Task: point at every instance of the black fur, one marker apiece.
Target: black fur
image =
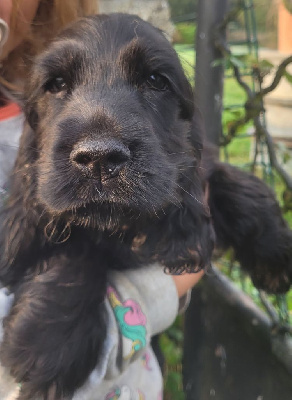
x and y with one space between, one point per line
107 177
247 217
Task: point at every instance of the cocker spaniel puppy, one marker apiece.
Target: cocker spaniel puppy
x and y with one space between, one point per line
109 176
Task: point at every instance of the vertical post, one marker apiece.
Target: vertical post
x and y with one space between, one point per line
208 97
209 79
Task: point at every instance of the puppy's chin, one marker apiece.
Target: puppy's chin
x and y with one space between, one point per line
107 209
104 217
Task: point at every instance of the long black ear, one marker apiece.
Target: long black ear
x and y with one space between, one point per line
32 89
183 238
247 218
186 234
19 215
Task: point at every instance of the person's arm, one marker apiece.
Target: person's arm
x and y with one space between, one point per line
186 281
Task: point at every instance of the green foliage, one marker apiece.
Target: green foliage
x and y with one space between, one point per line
288 76
233 94
185 33
288 5
238 152
229 61
265 15
284 153
171 343
187 58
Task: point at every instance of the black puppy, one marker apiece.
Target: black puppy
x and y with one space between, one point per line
107 176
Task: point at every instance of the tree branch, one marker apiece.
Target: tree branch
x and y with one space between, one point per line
262 130
241 82
278 76
253 108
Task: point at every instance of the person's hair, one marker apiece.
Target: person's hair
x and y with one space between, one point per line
51 17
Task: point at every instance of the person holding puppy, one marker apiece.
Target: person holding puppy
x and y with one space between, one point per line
140 303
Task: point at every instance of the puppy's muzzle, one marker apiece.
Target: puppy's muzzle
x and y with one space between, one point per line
100 159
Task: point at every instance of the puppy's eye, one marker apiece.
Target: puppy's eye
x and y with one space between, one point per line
56 85
157 82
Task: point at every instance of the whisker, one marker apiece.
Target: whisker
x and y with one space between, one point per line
192 196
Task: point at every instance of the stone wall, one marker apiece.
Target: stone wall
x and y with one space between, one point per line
156 12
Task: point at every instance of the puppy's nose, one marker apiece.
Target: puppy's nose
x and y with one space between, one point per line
101 159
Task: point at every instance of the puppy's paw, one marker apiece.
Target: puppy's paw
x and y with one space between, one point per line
271 280
270 268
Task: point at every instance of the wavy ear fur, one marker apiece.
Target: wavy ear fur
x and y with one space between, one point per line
186 233
183 239
19 216
21 212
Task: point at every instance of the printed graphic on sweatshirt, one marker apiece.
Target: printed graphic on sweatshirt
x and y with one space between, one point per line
132 323
124 393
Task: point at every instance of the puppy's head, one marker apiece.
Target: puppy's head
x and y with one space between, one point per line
112 115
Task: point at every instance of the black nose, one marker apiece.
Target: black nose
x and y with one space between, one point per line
100 159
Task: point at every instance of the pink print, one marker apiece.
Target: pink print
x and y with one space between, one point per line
135 315
132 317
111 290
110 396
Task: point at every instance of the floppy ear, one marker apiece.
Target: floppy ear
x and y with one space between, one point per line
32 89
187 236
19 215
183 238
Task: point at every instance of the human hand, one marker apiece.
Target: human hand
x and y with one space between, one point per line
185 282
